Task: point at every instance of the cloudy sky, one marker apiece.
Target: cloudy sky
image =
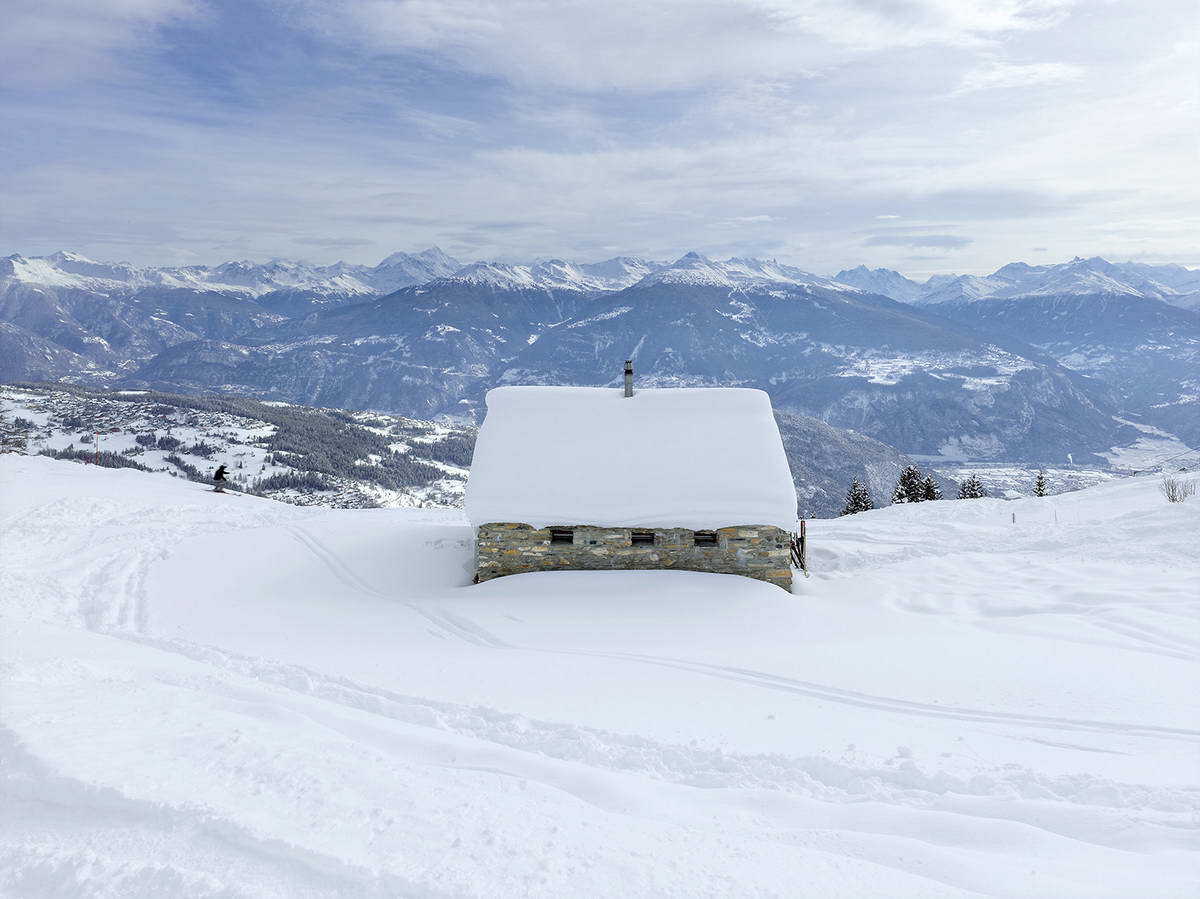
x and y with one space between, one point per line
923 135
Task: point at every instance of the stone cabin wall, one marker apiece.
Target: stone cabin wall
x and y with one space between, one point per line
762 552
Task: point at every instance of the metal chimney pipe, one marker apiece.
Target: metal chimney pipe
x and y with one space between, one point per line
629 377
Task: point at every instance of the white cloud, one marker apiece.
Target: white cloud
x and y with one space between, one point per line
669 44
59 41
747 153
1006 75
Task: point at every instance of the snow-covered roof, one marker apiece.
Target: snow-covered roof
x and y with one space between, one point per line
683 457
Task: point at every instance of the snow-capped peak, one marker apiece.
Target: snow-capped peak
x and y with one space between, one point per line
431 259
404 269
743 272
67 270
943 288
1080 276
66 256
691 268
771 271
557 274
620 271
497 275
883 281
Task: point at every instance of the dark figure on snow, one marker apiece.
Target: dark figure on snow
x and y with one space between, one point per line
219 478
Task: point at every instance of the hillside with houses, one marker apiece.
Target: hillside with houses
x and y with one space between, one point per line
297 454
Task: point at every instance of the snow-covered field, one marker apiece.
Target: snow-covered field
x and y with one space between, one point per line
228 696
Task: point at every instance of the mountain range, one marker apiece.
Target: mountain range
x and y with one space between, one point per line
73 271
1034 363
1129 325
1173 284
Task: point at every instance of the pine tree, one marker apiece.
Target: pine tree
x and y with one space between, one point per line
1039 486
910 488
930 488
858 499
971 488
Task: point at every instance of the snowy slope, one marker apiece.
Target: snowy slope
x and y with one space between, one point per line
212 696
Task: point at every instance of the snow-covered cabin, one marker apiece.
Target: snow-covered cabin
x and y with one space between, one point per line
598 478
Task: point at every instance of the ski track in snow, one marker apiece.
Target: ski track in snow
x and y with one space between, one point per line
884 703
54 850
85 562
445 623
681 764
464 629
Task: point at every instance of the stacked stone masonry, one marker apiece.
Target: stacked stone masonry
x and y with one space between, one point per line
762 552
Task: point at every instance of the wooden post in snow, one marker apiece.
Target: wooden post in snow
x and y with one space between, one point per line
803 546
800 548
